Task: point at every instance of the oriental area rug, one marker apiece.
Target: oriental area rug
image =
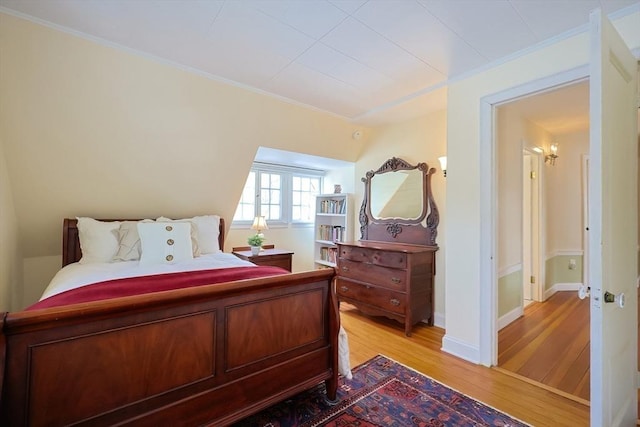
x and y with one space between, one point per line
382 393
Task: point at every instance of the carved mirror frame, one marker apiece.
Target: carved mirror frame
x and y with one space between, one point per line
401 230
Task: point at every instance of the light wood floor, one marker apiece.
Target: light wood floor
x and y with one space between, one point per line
550 344
369 336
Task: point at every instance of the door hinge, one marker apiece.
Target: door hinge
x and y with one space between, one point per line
532 174
532 279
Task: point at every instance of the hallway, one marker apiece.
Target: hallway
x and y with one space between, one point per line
550 344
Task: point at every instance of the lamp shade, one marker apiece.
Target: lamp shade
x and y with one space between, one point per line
259 224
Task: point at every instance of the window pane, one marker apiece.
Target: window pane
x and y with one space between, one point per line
263 195
270 187
303 199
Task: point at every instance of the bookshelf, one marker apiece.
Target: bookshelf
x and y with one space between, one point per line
332 224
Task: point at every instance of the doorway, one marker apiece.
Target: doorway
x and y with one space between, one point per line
550 251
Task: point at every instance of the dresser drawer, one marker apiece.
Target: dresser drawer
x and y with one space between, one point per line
374 256
382 276
382 298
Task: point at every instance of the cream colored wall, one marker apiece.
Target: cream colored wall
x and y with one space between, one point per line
514 134
419 140
10 268
563 183
565 220
92 130
463 226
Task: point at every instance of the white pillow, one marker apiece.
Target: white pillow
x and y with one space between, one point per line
207 230
98 240
129 241
165 243
208 233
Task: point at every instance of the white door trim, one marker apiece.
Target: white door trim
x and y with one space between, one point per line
488 346
527 226
585 220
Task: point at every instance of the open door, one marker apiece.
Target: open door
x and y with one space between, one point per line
613 227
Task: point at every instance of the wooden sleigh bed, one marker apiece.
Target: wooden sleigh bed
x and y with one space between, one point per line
207 355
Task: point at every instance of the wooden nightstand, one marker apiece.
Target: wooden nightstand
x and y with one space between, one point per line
274 257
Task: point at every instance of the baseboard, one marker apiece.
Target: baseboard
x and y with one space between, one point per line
558 287
460 349
510 317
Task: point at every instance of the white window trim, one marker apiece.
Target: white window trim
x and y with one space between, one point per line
287 173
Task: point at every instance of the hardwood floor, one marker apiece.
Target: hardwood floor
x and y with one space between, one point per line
550 344
369 336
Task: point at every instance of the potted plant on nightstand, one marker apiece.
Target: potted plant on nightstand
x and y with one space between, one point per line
255 242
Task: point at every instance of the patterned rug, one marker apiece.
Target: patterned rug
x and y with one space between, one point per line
382 393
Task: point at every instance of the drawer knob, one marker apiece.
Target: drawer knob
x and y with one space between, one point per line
345 268
394 301
395 280
344 289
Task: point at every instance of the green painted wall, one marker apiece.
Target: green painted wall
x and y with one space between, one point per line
509 292
557 270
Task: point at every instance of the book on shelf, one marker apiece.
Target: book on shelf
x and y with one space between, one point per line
332 206
333 233
329 254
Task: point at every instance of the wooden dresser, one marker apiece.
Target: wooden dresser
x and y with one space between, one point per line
388 279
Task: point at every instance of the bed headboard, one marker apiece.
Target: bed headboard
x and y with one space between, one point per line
71 251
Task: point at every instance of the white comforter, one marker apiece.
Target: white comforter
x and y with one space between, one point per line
77 275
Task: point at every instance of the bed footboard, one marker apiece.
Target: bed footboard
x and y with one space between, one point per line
214 354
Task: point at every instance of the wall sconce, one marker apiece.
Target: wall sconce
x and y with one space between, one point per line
443 164
551 157
259 224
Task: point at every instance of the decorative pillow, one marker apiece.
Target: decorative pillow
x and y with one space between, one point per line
97 240
208 233
194 233
129 241
207 229
165 242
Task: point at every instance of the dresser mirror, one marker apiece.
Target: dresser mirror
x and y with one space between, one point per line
390 270
398 205
397 195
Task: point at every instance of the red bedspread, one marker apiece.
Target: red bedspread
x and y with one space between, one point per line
155 283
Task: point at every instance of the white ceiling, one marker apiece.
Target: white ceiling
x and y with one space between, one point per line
370 61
